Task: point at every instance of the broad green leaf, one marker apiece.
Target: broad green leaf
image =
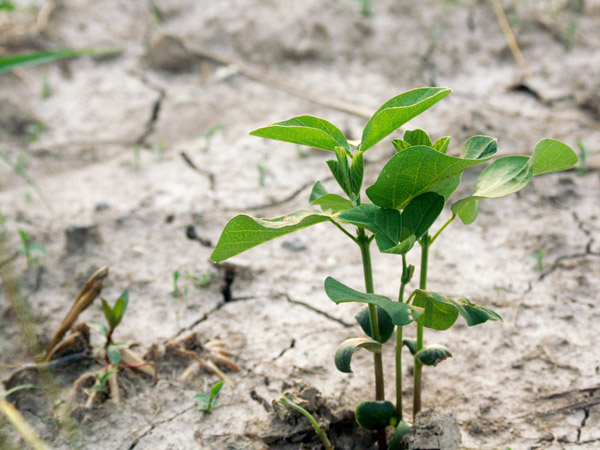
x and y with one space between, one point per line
397 111
203 401
552 156
414 171
386 326
120 307
432 355
417 137
357 170
114 354
402 248
27 59
446 187
439 313
441 145
374 415
381 221
305 130
402 429
109 315
411 345
333 203
400 145
244 232
344 353
420 214
469 212
401 313
214 391
318 190
479 147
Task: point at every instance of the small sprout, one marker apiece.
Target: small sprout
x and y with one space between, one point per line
208 136
539 259
262 172
47 90
159 150
28 248
432 355
206 402
137 157
202 280
101 379
583 154
177 292
288 400
35 131
366 7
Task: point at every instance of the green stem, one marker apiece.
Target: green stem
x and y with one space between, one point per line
399 333
448 222
425 242
364 243
343 230
322 435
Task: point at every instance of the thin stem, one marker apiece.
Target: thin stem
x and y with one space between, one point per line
448 222
425 242
399 333
343 230
364 244
322 435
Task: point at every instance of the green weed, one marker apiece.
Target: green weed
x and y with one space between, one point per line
207 402
28 248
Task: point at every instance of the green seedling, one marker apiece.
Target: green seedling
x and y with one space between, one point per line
200 281
35 131
113 316
28 59
583 154
409 195
101 380
177 292
19 168
288 401
366 7
206 402
47 90
539 259
19 388
262 172
208 136
28 249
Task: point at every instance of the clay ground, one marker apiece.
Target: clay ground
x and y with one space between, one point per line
110 156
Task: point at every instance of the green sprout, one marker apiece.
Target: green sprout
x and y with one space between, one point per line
206 402
201 280
539 259
47 90
28 248
407 198
101 380
177 292
35 131
583 154
366 7
261 174
288 401
208 136
113 316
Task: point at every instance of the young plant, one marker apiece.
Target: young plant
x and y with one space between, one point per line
583 154
28 248
177 292
101 380
407 198
206 402
288 401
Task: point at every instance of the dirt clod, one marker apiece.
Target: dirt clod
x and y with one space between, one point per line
434 431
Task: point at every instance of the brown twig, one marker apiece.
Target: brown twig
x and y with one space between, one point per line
510 37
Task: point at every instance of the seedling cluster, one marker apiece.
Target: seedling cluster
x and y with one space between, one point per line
410 193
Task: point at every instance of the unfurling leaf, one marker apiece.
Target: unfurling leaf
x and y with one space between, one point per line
120 307
432 355
411 345
417 137
402 429
305 130
109 314
401 313
375 415
344 353
114 354
441 145
386 326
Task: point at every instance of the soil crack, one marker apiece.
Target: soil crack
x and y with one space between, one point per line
156 107
316 310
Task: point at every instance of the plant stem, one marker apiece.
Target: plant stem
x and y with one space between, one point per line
364 243
399 344
322 435
425 242
448 222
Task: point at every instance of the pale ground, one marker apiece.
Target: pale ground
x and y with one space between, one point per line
282 325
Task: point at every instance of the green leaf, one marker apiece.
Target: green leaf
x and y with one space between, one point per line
244 232
109 315
441 145
18 388
374 415
344 353
479 147
432 355
214 391
120 307
411 345
401 313
441 312
400 145
318 191
414 171
397 111
384 222
305 130
99 327
420 214
402 248
552 156
469 212
417 137
26 59
203 401
447 187
402 429
114 354
386 326
357 170
333 203
341 170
